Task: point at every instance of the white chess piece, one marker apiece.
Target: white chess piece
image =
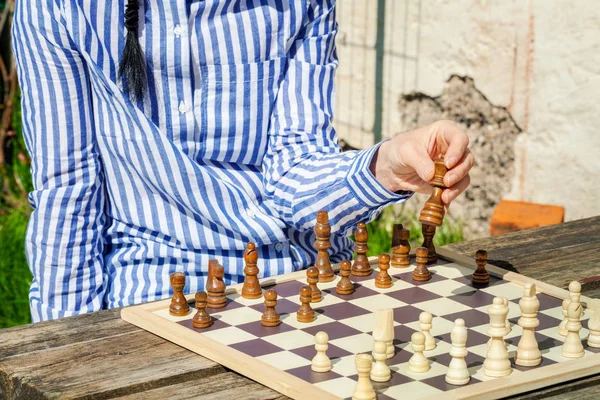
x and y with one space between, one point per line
594 325
574 296
572 347
384 329
507 327
364 387
425 325
496 362
320 362
458 374
380 372
528 352
418 362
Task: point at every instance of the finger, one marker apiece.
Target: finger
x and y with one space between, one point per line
418 159
460 170
417 185
453 192
457 142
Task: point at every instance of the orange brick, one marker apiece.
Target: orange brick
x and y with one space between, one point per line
511 216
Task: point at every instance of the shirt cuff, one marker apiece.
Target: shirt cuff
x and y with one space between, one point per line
366 188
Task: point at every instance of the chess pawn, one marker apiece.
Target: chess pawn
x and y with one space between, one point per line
361 266
251 288
418 362
215 287
496 362
364 387
481 276
433 211
312 277
458 374
594 325
305 312
425 325
384 329
428 233
383 279
345 285
528 352
421 273
322 244
574 296
380 371
270 317
400 248
320 362
572 347
179 306
201 319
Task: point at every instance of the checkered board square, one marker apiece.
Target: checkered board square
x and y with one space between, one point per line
349 321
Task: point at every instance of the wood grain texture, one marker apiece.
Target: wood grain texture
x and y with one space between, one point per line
100 356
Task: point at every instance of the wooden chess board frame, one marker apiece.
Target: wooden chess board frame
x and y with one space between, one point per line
143 316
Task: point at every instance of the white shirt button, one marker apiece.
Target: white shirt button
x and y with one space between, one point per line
178 30
279 246
183 107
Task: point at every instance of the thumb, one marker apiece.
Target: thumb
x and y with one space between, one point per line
419 160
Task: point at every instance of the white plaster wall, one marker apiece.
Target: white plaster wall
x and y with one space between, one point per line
538 58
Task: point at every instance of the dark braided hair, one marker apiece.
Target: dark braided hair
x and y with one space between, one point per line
133 65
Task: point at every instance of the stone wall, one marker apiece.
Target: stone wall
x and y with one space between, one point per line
523 77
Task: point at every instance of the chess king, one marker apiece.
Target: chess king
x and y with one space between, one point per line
182 165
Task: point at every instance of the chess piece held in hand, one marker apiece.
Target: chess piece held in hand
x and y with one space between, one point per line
433 211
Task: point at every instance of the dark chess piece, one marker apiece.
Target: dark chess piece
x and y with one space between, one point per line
383 279
421 273
251 288
201 319
361 265
215 287
270 317
322 244
400 247
312 277
433 211
428 233
305 312
481 276
345 285
179 306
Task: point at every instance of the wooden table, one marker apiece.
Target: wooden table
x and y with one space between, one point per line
99 356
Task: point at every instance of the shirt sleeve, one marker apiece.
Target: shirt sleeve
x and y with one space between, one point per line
64 238
304 168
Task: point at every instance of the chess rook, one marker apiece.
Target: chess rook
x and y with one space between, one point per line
458 374
305 312
201 318
383 279
481 276
421 273
179 306
345 285
400 247
361 266
312 277
320 362
364 387
496 362
215 287
433 211
528 352
270 317
251 288
428 233
322 244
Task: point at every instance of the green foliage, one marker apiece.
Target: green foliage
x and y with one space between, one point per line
380 231
15 277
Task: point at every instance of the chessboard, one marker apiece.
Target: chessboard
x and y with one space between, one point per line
280 357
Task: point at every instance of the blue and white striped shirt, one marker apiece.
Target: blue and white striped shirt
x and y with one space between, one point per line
232 143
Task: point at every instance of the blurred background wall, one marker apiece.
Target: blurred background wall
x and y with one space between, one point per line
521 76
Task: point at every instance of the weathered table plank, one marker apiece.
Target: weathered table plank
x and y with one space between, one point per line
99 356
